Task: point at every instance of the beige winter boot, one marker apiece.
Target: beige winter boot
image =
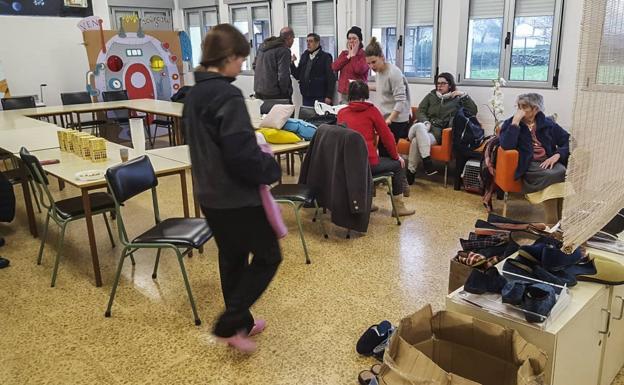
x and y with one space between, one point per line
399 205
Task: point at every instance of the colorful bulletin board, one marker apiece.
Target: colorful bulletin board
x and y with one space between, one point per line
62 8
147 64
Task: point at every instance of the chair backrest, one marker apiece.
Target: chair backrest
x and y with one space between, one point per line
34 167
18 102
113 96
265 108
131 178
75 98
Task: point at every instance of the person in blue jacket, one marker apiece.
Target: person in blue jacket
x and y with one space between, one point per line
543 147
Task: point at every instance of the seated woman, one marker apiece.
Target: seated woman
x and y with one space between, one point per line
435 113
363 117
543 146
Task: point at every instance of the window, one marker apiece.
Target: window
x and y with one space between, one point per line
151 18
514 39
253 20
309 16
198 23
610 69
408 35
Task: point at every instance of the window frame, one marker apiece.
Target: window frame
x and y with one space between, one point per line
202 11
400 28
552 82
310 19
249 7
140 10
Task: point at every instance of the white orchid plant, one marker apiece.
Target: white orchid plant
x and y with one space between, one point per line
495 104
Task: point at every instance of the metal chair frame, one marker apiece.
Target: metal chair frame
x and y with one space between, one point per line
297 205
387 180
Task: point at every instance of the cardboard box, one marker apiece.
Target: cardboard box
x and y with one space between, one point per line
458 274
455 349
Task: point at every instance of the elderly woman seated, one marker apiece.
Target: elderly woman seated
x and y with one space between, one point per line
543 147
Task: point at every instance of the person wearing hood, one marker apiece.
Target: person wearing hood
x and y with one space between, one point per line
363 117
315 75
351 63
272 67
228 168
435 113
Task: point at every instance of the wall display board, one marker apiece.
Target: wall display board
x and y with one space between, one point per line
61 8
147 64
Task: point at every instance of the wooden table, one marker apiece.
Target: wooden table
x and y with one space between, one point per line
70 164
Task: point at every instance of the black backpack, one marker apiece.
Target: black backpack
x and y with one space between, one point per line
317 120
7 200
467 132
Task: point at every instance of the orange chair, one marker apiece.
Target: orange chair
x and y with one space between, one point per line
440 152
506 164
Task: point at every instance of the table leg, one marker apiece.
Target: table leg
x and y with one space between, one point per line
185 203
86 204
196 206
30 213
177 129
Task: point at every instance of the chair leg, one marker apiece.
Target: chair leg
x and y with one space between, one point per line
505 204
115 282
395 213
58 254
155 272
43 238
446 173
34 193
188 288
320 219
303 242
110 233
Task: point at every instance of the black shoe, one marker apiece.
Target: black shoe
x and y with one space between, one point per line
411 176
428 166
3 263
1 242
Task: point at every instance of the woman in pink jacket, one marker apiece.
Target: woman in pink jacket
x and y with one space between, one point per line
351 63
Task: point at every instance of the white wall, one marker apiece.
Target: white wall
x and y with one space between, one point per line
49 50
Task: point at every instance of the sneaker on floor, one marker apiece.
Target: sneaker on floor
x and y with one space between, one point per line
259 326
4 263
240 342
428 166
410 176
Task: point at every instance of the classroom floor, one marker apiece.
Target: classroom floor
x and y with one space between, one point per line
315 312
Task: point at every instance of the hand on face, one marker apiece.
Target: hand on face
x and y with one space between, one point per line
518 116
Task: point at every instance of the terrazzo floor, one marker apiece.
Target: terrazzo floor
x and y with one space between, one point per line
315 312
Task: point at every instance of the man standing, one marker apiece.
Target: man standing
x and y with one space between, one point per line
272 67
316 78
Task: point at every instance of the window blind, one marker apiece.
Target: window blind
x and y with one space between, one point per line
239 15
526 8
298 18
184 4
419 12
211 18
487 9
384 13
323 17
260 13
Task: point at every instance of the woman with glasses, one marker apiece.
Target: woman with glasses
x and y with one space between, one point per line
315 75
435 113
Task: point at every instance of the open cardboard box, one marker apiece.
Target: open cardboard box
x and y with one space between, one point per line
448 348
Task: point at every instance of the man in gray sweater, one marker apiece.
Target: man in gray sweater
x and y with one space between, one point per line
272 67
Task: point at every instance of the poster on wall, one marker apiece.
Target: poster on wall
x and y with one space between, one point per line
60 8
4 86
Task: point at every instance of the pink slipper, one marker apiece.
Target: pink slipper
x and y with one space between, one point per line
259 326
240 342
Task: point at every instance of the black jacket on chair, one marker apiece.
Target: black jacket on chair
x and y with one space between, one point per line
7 200
319 81
336 167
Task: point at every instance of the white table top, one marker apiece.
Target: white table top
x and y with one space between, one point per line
33 138
70 164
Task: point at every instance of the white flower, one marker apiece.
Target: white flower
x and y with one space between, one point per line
503 81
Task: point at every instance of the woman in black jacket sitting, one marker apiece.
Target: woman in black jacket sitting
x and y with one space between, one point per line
317 81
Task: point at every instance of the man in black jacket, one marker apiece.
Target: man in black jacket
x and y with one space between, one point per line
272 67
316 78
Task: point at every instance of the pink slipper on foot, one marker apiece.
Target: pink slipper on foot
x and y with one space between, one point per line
259 326
240 342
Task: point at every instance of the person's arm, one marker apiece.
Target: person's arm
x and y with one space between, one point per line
385 135
242 156
294 70
283 72
423 107
399 94
330 78
469 104
360 67
563 142
340 62
510 131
